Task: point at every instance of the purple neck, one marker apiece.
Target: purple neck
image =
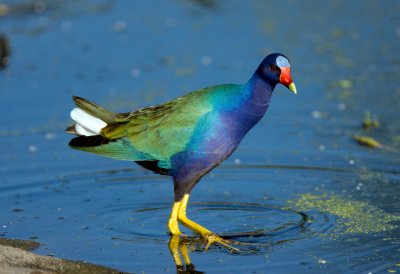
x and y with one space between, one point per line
259 92
256 95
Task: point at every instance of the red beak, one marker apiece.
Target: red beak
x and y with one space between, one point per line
285 77
286 80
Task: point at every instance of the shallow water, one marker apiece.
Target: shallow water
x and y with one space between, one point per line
299 194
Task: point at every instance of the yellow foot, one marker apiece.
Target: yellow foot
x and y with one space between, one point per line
178 214
212 238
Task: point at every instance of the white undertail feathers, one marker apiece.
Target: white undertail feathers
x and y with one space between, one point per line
86 124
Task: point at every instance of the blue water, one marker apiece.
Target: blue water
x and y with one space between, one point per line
131 54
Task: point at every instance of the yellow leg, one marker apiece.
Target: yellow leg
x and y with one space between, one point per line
204 232
173 220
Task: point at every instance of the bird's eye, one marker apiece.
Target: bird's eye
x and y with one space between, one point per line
275 68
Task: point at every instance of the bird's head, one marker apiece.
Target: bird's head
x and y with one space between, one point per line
275 68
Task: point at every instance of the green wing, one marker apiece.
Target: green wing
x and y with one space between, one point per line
153 133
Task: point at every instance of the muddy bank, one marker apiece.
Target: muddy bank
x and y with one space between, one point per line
15 257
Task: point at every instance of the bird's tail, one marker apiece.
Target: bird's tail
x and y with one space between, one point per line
90 121
89 118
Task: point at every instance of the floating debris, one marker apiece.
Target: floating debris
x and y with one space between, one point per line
369 122
367 141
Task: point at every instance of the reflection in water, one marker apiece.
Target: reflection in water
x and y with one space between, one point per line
262 225
243 242
261 228
179 248
256 241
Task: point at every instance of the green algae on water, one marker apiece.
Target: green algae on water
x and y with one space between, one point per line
352 216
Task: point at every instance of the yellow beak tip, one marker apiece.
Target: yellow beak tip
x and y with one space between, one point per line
292 88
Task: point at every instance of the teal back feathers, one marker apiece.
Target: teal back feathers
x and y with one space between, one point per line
153 133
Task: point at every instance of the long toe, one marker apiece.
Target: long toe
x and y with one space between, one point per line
213 238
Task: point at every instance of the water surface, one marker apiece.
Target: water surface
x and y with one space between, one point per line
299 192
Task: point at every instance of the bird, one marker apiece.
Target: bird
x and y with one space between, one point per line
184 138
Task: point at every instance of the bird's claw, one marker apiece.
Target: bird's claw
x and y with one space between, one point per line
212 238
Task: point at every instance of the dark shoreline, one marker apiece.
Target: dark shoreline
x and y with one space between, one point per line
15 257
